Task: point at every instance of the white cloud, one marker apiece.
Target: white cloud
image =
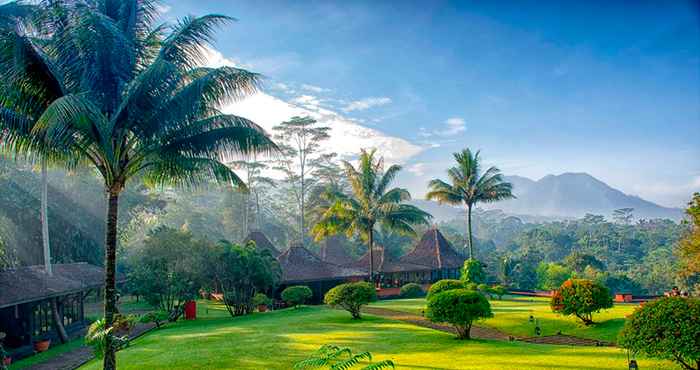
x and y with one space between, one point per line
455 125
312 88
417 169
366 103
347 135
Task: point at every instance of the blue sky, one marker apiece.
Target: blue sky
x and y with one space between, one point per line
608 88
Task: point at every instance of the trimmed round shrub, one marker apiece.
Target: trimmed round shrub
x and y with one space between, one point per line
411 290
296 295
261 299
460 308
444 285
471 286
156 317
667 328
473 271
581 298
498 290
351 297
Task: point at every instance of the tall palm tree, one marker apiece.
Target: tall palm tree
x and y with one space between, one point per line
24 95
469 185
139 104
371 203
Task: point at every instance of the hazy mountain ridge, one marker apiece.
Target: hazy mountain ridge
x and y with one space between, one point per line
569 195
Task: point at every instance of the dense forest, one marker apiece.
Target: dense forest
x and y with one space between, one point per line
629 254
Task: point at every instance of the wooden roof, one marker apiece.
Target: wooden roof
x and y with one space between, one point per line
434 251
31 283
300 265
261 242
333 251
383 263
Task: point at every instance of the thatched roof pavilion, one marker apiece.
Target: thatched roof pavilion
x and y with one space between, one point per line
434 251
333 251
261 242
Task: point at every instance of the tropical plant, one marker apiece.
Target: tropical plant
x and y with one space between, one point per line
371 203
666 328
411 290
459 307
136 103
335 358
470 186
473 271
581 298
296 295
351 297
241 272
445 285
99 336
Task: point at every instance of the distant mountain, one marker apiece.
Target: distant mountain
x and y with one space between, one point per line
569 195
574 195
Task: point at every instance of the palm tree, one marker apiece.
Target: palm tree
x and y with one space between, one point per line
470 186
24 96
370 203
138 104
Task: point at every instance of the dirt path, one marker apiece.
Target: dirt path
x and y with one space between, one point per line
480 332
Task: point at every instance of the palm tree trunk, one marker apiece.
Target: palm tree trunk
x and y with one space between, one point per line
469 231
371 255
45 218
110 300
45 241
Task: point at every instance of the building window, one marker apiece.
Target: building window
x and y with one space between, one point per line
43 321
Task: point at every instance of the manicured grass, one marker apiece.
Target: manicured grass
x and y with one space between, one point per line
511 315
276 340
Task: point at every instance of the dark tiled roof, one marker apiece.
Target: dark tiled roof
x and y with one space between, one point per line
299 265
31 283
262 242
334 252
383 263
434 251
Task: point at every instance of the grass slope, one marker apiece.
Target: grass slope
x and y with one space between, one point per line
276 340
511 315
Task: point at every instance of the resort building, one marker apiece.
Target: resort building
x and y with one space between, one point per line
27 294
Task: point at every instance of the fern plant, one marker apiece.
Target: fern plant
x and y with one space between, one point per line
96 337
335 358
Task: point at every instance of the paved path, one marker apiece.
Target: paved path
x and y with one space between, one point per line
73 359
481 332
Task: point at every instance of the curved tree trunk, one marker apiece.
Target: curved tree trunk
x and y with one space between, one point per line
45 241
469 232
58 321
110 302
45 218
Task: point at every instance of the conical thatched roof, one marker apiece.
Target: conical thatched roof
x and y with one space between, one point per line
300 264
333 251
261 242
434 251
382 263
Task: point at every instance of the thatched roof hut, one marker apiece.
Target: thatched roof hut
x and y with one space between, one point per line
301 265
261 242
434 251
333 251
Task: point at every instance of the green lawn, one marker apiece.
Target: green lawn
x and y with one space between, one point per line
276 340
511 315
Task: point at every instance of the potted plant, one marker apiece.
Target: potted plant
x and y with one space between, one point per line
42 343
262 301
